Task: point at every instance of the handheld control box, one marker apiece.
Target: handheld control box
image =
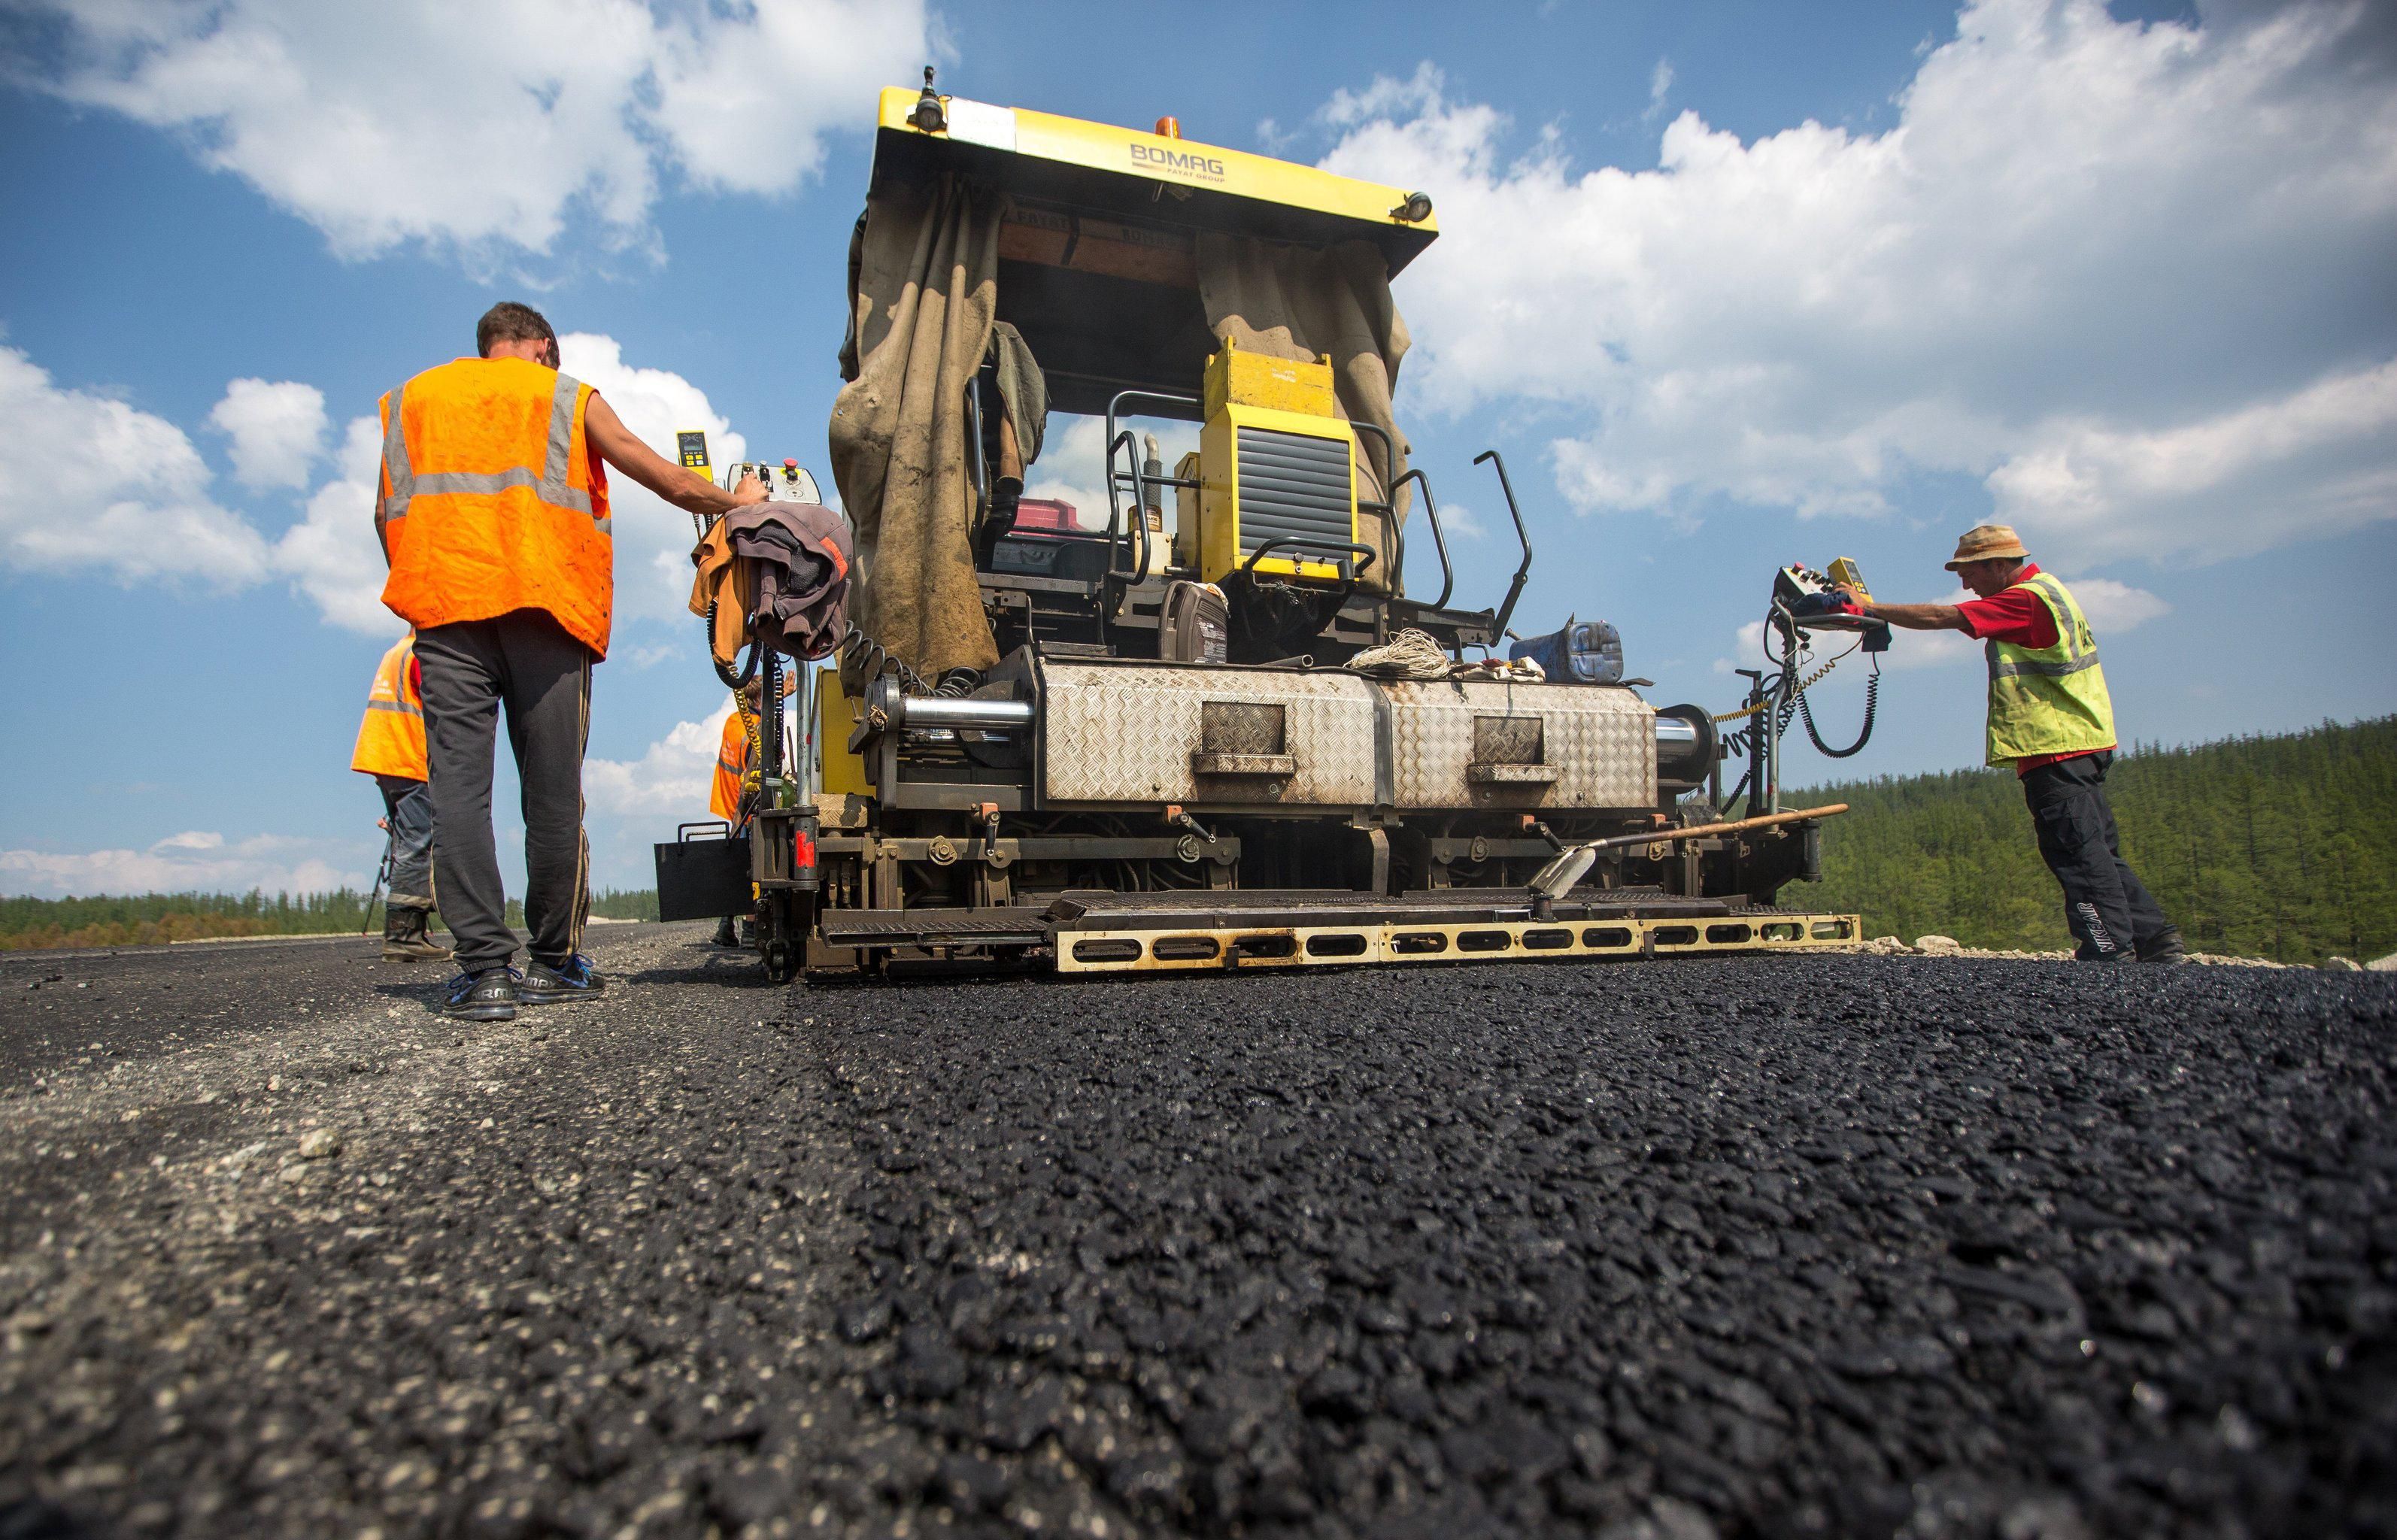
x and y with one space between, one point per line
1813 601
788 482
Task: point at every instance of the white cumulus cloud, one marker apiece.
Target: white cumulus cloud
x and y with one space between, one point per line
672 776
488 126
135 499
653 538
277 430
332 556
2136 274
196 861
90 482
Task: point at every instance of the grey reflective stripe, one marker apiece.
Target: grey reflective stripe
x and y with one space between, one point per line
402 707
434 483
2044 670
2068 621
2067 636
561 453
394 462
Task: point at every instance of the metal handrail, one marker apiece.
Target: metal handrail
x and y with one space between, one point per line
1522 573
1438 541
1139 482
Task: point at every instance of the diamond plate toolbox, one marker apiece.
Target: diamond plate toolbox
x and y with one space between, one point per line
1146 732
1455 744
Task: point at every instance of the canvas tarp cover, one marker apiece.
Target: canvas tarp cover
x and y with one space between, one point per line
1300 303
923 287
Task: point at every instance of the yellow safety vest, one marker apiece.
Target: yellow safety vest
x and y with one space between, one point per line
391 738
2049 700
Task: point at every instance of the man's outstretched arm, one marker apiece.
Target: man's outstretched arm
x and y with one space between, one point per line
693 494
1912 617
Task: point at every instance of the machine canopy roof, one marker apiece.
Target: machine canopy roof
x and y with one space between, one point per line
1098 254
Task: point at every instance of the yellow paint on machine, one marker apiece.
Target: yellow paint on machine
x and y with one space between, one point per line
1398 942
1104 147
838 769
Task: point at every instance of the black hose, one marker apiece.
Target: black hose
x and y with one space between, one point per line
1872 700
731 680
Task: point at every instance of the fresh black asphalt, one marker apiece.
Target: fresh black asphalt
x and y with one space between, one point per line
1819 1245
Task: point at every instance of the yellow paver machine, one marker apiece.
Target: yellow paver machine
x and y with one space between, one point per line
1211 724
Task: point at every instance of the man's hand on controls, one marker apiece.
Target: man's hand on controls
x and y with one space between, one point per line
750 489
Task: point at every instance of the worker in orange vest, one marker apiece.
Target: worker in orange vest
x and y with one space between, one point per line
391 748
725 798
493 516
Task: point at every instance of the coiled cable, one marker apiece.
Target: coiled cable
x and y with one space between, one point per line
1872 700
871 656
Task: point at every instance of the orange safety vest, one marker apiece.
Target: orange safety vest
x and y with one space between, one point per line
391 737
492 499
731 763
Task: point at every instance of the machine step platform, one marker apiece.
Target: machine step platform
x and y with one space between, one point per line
1202 929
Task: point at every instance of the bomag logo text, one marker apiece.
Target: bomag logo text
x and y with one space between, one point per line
1181 162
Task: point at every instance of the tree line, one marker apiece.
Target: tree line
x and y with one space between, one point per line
150 920
2281 847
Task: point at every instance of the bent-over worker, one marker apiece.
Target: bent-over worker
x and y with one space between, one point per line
391 748
2051 719
493 516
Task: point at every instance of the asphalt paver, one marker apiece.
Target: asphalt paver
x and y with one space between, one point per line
1662 1251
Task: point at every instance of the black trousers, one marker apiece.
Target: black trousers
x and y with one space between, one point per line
2109 909
525 660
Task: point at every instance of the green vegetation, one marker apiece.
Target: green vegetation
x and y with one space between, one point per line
2283 848
152 919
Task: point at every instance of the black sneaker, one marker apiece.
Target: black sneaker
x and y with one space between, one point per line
489 995
2165 946
574 979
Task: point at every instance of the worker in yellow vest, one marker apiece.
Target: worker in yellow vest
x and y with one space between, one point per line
493 516
2051 719
391 748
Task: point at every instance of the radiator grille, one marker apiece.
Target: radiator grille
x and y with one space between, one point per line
1291 485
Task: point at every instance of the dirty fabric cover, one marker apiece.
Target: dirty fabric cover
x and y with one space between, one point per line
925 284
1295 303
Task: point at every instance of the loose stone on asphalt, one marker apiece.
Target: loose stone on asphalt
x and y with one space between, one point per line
1841 1245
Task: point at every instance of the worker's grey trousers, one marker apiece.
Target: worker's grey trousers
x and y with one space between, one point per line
525 660
407 813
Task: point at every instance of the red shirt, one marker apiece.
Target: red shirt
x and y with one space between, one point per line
2021 617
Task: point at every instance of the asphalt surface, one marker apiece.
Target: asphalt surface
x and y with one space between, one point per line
1858 1245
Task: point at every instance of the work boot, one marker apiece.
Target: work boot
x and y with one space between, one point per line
2163 946
725 934
574 979
489 995
406 936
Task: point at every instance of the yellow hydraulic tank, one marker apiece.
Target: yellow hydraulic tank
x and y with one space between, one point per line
1235 378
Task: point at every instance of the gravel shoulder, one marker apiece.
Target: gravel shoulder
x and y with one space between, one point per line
1788 1246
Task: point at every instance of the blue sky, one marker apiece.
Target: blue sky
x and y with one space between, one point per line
1729 284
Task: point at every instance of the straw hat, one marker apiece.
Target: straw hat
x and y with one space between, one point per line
1989 542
